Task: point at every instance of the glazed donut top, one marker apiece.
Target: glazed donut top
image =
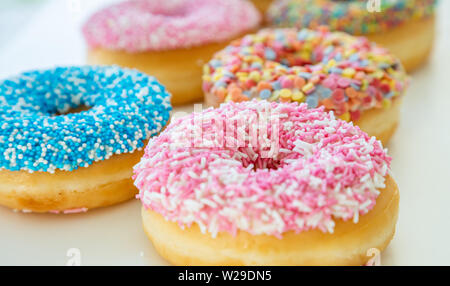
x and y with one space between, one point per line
299 169
136 26
351 16
344 73
126 108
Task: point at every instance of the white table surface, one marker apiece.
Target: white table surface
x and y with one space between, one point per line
114 236
14 15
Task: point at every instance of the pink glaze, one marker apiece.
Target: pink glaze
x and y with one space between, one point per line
144 25
319 170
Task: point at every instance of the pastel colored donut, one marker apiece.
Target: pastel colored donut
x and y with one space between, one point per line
405 27
55 161
350 76
169 39
266 183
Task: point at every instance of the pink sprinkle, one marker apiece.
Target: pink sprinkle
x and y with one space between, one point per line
343 82
330 82
73 211
287 83
304 170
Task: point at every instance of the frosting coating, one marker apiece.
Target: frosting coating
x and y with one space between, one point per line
351 16
346 74
126 108
304 170
137 25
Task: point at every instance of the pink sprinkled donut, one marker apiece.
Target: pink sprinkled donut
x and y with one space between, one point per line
264 183
169 39
137 26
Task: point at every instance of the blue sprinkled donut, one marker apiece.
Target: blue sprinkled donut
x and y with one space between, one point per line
56 158
126 108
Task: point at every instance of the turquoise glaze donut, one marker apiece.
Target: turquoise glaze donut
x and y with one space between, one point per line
38 137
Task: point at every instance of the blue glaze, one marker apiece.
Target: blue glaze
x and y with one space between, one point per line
126 108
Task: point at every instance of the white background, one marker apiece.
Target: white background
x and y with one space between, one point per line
114 236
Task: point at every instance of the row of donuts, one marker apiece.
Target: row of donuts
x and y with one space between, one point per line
173 46
307 189
327 188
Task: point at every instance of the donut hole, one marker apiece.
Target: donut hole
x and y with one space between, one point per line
257 140
268 153
53 105
59 98
277 156
290 57
258 161
73 110
170 13
252 140
175 9
314 54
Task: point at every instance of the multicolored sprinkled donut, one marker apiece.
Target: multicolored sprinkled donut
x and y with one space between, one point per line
393 24
39 140
307 174
351 16
168 39
348 75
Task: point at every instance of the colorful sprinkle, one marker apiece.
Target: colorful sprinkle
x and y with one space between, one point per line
348 16
307 70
